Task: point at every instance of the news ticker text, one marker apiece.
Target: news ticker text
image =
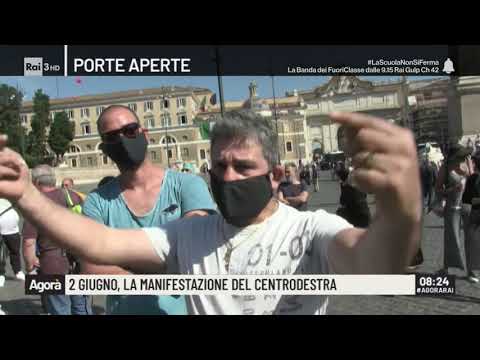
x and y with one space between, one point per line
417 284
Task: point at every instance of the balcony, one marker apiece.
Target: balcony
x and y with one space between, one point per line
432 102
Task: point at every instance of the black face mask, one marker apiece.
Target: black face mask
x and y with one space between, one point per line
240 201
127 153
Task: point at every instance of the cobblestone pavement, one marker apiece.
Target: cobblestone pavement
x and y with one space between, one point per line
465 301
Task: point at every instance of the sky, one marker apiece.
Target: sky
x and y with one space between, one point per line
234 87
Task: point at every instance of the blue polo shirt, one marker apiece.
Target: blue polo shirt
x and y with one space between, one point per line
180 193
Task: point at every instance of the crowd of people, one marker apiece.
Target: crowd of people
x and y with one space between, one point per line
155 220
455 186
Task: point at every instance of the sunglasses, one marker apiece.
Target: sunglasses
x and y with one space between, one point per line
129 131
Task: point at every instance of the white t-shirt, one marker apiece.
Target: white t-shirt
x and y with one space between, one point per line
9 220
288 242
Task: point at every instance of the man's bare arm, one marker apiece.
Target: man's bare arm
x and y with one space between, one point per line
90 268
29 253
385 248
86 238
196 213
299 199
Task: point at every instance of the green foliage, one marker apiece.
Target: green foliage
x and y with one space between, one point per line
36 140
10 103
61 134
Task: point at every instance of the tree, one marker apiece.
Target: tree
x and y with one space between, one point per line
61 134
36 141
10 104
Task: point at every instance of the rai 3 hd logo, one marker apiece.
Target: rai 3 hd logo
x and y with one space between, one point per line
32 66
44 284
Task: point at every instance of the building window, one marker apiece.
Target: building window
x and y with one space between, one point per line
100 110
165 103
90 161
87 130
105 159
166 120
170 154
289 146
89 147
150 122
181 102
185 137
133 107
85 112
152 141
148 106
202 154
70 114
170 140
73 149
74 163
23 119
184 152
153 155
182 119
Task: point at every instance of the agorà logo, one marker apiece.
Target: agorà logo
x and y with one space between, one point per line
32 66
44 284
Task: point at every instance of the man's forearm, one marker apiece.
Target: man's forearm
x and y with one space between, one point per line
295 200
89 268
29 253
388 245
80 235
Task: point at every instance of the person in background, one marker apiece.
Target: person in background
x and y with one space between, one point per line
278 173
187 168
143 195
470 144
451 184
53 259
10 238
428 182
67 183
316 171
353 202
204 174
305 174
293 192
477 144
471 198
105 180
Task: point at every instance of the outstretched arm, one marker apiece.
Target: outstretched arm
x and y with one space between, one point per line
83 237
86 238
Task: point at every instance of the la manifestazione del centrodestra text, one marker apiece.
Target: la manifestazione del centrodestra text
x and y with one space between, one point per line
208 284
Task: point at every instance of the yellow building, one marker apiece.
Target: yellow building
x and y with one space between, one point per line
166 112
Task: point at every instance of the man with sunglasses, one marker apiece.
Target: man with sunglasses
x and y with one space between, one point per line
144 195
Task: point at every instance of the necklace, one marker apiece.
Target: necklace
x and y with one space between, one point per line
230 247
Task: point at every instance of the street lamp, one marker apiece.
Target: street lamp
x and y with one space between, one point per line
165 118
275 117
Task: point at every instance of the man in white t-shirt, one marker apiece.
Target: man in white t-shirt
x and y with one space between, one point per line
255 234
10 236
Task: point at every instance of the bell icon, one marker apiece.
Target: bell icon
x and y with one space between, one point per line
448 66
